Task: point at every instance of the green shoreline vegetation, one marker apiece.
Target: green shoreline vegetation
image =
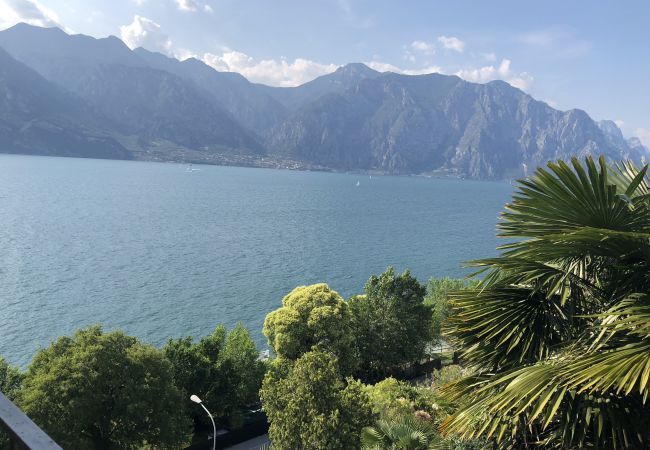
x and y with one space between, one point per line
548 346
102 390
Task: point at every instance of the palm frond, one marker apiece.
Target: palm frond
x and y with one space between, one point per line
559 328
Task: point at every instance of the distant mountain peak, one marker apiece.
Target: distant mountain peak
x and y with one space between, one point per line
35 29
356 68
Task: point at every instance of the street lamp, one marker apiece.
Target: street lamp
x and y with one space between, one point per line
197 400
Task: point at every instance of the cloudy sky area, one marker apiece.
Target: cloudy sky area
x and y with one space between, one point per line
571 54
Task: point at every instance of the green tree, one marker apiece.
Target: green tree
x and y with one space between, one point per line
99 390
193 373
242 372
438 290
310 406
222 368
559 329
391 323
11 379
312 317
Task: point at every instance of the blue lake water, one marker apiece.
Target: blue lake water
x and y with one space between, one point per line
159 251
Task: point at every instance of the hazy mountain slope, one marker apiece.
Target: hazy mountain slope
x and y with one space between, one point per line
411 124
37 117
149 103
352 119
247 103
337 82
635 145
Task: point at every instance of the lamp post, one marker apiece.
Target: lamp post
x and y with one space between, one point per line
197 400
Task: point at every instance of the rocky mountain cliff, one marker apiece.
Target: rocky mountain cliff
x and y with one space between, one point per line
412 124
121 102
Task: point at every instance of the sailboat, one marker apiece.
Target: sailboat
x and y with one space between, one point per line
358 183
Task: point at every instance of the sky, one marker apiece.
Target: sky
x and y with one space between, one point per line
593 55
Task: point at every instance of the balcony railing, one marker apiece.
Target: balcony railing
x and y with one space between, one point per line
23 433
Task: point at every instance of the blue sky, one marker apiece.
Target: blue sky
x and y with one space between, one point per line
593 55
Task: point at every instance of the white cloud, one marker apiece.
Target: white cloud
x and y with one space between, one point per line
387 67
521 80
619 123
187 5
143 32
424 47
452 43
644 136
383 67
28 11
273 72
192 6
422 71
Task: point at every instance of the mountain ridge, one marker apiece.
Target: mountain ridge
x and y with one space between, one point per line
355 118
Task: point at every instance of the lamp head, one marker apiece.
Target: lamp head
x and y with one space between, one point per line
195 399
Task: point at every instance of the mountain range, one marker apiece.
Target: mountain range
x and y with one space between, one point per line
74 95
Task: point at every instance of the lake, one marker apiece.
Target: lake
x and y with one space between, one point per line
160 251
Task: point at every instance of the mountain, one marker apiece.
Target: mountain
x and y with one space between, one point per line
61 93
250 105
635 144
37 117
150 104
337 82
413 124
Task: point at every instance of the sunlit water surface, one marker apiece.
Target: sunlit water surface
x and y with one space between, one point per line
161 251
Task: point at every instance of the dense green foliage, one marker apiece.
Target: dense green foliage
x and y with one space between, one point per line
99 390
312 317
391 398
438 290
391 323
559 329
410 414
223 369
10 379
310 406
401 433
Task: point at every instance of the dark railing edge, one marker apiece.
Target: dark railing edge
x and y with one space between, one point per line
22 429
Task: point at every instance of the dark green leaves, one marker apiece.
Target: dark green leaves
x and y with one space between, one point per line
559 329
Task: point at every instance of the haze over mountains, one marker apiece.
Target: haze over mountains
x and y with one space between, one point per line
80 96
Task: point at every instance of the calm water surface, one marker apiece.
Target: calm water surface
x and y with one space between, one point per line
161 252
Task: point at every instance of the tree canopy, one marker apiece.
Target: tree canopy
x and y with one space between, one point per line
391 323
98 390
438 290
222 368
310 406
10 379
312 317
558 331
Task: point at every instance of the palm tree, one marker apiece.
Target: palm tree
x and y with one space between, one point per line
402 433
558 330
